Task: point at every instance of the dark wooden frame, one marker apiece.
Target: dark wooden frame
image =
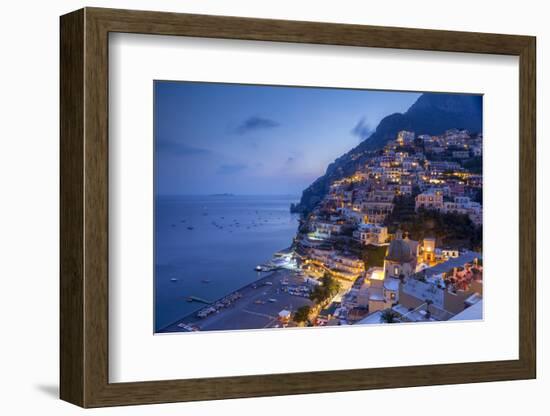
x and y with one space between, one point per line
84 207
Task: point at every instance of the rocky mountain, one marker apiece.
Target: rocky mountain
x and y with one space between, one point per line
432 113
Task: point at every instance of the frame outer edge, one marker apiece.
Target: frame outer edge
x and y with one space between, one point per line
84 241
72 341
528 208
96 208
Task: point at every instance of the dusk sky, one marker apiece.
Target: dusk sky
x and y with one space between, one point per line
258 140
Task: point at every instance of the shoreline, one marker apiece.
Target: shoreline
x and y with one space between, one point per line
193 315
256 307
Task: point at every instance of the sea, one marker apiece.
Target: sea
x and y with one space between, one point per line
208 246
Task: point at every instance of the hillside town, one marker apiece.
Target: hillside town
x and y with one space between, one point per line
399 240
401 237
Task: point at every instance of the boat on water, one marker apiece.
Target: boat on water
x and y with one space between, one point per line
259 268
173 279
206 280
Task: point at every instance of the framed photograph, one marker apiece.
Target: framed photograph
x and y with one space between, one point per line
257 207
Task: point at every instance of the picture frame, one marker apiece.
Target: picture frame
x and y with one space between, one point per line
84 215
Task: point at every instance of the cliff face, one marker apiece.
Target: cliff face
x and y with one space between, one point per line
432 113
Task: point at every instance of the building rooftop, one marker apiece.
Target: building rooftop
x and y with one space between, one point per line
474 312
473 299
423 291
284 314
391 284
466 257
373 318
399 251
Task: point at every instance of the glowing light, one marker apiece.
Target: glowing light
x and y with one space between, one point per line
377 275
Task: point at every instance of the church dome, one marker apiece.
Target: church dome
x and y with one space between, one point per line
399 251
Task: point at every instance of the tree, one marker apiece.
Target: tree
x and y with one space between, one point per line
428 312
388 317
373 255
302 314
449 228
474 164
422 276
478 197
326 290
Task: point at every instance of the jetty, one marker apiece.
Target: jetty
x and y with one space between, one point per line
198 299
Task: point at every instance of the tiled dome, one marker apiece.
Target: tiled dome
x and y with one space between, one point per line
399 251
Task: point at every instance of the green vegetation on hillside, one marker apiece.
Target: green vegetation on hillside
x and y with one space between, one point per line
373 256
328 288
474 165
302 314
449 229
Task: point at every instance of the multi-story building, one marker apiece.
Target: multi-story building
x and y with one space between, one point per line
371 234
430 199
346 265
405 137
461 154
376 212
463 205
324 229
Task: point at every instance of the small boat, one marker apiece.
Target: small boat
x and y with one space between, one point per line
206 280
173 279
258 268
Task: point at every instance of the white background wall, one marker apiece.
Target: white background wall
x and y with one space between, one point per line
29 206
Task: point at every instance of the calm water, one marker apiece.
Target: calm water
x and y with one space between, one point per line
230 235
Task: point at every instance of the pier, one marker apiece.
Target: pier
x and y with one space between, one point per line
198 299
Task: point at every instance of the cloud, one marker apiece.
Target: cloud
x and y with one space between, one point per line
180 149
231 169
255 123
292 162
362 129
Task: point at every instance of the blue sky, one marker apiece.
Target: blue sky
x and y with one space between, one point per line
253 139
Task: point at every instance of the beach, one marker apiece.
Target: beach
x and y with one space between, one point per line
258 306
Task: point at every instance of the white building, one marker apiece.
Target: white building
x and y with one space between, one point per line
326 229
463 205
371 234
